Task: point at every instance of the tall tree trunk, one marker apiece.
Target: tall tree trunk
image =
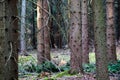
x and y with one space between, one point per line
85 45
75 37
118 22
40 34
100 41
12 40
2 41
111 48
22 35
46 29
33 27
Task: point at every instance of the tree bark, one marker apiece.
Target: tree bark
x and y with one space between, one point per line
22 32
2 41
46 29
85 39
100 41
118 23
12 40
75 37
111 48
40 34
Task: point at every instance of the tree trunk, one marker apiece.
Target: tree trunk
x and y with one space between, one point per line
118 22
2 41
46 29
100 41
111 48
40 34
75 37
12 38
22 33
85 45
33 27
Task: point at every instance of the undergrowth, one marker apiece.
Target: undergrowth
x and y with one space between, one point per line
28 66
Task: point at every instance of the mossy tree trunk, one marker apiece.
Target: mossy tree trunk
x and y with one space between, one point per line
75 37
85 39
100 41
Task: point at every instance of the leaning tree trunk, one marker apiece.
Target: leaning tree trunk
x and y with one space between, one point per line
46 29
22 32
12 41
75 37
111 48
40 33
100 41
85 39
2 41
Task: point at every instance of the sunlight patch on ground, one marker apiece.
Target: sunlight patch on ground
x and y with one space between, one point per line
92 57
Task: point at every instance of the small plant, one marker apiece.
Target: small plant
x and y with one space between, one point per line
89 68
114 68
47 66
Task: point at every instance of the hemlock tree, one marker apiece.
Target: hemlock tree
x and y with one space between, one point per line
111 47
43 38
85 39
75 37
100 41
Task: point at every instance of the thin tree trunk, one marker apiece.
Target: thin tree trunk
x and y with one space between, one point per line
100 41
22 35
75 37
33 27
111 48
40 34
46 30
2 41
118 23
85 45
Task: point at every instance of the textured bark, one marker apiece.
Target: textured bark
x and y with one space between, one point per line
2 41
46 30
85 45
100 41
40 34
22 33
111 48
43 37
12 40
75 37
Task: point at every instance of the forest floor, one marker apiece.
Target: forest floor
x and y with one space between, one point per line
60 57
